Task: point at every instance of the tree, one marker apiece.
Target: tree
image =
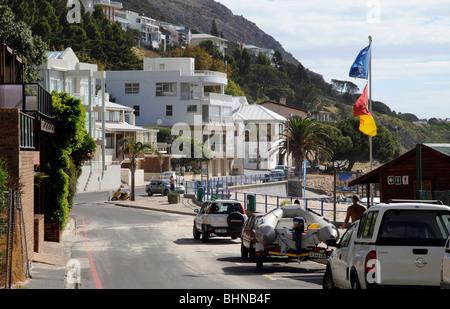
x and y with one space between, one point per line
385 146
18 35
304 138
66 150
214 30
134 150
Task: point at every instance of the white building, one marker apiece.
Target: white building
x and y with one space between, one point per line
169 92
219 43
255 50
105 120
261 134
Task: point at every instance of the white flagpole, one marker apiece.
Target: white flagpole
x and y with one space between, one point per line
370 198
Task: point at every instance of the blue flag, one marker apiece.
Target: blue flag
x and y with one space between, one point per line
360 67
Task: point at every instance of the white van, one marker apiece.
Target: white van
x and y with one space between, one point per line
393 245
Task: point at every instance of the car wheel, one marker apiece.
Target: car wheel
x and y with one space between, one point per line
149 192
327 281
205 234
354 281
196 233
244 252
252 253
235 220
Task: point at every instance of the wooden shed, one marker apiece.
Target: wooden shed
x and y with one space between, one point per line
427 167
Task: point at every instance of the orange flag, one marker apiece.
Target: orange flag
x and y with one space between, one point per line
366 123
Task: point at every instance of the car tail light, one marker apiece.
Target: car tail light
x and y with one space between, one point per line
372 255
243 209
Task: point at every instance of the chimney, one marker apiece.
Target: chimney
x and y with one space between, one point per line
283 101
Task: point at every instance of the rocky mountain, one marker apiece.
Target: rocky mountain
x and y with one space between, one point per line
198 15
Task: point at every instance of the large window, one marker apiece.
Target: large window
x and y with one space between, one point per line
166 89
131 88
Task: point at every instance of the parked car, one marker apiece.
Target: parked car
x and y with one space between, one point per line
220 218
393 245
248 239
162 187
178 178
445 268
279 170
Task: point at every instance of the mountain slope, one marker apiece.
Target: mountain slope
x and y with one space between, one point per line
198 15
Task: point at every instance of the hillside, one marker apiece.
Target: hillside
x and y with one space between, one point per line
198 16
96 40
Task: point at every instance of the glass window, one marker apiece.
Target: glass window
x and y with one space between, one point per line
109 138
166 89
169 110
131 88
414 227
192 108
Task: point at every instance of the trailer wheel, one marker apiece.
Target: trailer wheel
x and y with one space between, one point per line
259 263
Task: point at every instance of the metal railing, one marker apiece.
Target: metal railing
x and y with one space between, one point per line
38 100
26 132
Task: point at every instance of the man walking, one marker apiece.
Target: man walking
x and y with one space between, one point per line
354 211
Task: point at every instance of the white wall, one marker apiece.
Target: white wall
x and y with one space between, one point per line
93 181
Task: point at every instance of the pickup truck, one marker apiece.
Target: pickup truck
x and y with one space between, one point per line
394 244
219 218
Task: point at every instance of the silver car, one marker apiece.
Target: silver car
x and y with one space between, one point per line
162 187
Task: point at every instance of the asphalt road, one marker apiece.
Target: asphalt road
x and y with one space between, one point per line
125 248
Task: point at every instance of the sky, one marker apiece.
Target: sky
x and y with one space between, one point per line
410 44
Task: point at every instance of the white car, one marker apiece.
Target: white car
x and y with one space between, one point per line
220 218
393 245
178 178
445 271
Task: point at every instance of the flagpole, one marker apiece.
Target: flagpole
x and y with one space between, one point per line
370 98
370 197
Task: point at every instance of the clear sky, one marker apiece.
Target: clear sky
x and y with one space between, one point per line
410 44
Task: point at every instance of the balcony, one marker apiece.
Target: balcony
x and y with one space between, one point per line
37 100
26 132
115 4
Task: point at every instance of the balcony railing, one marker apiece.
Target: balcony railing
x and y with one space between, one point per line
38 100
26 132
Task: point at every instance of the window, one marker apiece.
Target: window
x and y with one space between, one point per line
137 110
131 88
169 110
269 132
414 228
191 108
166 89
113 116
109 138
367 224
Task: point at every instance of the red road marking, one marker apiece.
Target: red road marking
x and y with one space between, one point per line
98 284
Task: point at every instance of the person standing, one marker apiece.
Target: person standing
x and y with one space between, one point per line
172 183
354 211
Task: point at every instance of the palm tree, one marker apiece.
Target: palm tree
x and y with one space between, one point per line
134 150
304 138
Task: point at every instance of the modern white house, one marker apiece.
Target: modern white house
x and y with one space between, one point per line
106 121
255 50
219 43
168 92
109 7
